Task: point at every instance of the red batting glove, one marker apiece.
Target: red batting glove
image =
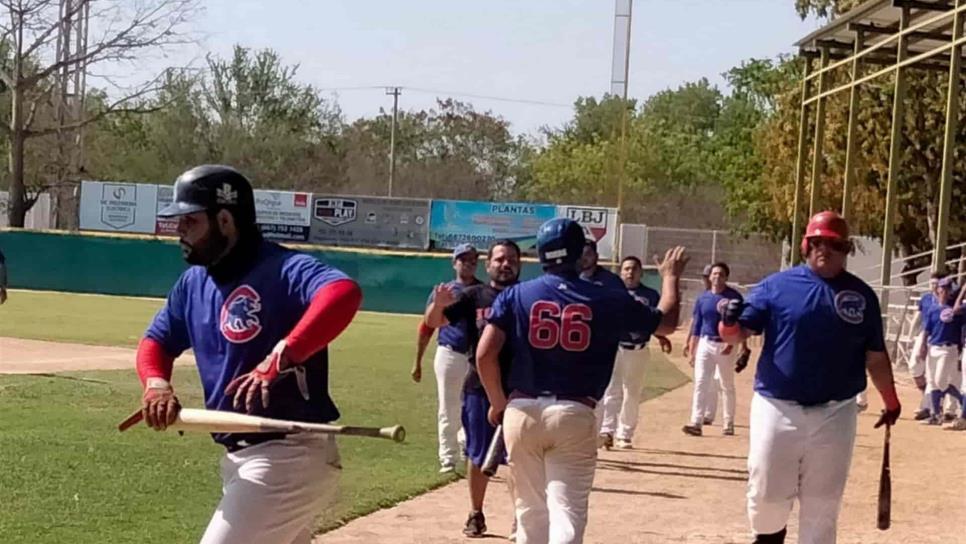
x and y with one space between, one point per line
892 408
159 406
260 379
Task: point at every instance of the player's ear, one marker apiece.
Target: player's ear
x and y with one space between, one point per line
226 222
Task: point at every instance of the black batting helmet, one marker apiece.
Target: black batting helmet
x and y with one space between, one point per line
213 187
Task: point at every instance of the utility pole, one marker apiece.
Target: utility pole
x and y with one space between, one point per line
395 92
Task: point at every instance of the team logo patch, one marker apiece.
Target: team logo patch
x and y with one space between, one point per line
850 306
722 305
239 315
335 211
946 315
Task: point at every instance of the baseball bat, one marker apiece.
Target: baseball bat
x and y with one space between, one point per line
884 518
494 453
217 421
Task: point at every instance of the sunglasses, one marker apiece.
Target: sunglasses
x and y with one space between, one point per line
840 246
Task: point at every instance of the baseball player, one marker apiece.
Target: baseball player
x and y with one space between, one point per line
619 408
917 364
823 331
563 333
471 308
258 317
593 272
451 362
711 408
711 355
940 342
3 278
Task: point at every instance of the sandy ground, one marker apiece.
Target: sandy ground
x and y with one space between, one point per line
676 488
669 488
18 356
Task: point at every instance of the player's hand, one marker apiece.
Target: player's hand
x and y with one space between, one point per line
742 361
259 380
691 361
495 413
417 373
731 311
159 406
889 417
444 295
665 344
920 382
674 262
687 350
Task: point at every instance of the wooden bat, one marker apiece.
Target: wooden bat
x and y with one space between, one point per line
884 518
494 453
217 421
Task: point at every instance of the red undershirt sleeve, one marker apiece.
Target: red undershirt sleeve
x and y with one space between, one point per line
332 308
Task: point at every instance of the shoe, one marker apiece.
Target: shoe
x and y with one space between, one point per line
446 468
692 430
475 525
709 421
605 440
728 430
933 420
958 425
624 444
921 414
949 416
862 406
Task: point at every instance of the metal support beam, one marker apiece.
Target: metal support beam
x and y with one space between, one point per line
892 29
800 167
895 161
934 5
949 142
818 151
849 179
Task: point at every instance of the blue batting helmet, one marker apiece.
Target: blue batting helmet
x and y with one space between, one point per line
560 241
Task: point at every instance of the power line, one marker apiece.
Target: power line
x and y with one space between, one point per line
456 94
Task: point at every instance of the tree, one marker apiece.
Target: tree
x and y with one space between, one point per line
42 61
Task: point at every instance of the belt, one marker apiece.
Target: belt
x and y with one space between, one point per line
945 345
248 441
586 401
632 347
455 349
713 338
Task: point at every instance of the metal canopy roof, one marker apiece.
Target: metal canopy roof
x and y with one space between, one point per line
877 21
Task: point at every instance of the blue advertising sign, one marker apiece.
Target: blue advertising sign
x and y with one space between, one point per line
453 222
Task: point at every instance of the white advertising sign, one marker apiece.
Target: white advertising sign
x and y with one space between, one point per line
118 207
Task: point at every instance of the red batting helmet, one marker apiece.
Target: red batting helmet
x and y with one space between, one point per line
827 224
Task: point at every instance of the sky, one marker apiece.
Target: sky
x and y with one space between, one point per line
547 51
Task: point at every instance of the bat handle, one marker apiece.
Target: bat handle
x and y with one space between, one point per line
396 433
130 421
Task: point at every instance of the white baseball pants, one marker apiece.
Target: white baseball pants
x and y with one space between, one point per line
799 452
711 408
619 409
708 359
451 368
552 453
271 492
943 362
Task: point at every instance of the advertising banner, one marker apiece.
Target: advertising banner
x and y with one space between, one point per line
598 223
370 221
165 226
283 215
454 222
118 206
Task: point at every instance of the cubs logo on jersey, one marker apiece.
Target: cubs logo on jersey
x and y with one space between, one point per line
850 306
946 315
239 315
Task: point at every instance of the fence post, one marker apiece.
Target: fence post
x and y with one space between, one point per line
714 245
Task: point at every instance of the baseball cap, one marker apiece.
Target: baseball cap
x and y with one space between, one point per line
707 271
463 249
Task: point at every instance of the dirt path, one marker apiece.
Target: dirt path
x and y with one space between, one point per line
675 488
18 356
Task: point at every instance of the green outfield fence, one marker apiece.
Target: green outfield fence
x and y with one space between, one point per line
148 266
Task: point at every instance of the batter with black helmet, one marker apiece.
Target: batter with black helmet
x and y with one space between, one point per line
258 317
823 332
563 333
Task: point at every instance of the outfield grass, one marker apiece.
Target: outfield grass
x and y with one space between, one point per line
69 476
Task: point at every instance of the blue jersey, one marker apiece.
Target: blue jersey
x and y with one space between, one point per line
233 327
707 312
648 297
564 333
455 336
603 277
817 332
942 325
925 301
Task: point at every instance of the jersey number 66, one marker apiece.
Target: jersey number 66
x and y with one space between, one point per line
550 326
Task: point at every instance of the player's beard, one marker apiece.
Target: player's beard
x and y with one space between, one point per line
206 251
504 278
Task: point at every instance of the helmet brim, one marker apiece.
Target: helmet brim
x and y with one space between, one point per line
824 233
180 208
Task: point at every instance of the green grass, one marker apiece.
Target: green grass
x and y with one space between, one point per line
69 476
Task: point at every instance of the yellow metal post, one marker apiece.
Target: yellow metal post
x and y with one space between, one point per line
818 153
800 165
849 179
949 142
895 160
